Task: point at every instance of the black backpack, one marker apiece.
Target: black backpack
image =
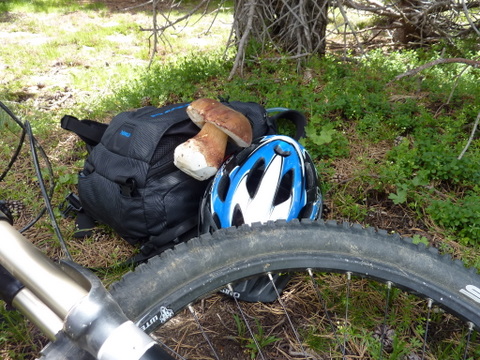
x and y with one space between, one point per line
130 183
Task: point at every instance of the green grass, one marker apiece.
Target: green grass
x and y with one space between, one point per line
91 57
47 6
15 330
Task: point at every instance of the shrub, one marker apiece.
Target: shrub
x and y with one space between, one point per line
459 216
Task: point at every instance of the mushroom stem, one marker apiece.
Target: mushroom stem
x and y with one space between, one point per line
202 155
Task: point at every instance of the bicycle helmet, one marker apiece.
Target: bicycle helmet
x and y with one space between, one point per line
273 179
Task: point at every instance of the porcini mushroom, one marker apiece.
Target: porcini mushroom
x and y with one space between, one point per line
202 155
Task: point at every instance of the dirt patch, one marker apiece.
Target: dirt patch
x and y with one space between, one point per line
52 85
380 210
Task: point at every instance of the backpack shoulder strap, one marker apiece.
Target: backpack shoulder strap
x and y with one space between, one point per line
263 124
88 130
296 117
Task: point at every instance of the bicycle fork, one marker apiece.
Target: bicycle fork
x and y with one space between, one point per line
66 299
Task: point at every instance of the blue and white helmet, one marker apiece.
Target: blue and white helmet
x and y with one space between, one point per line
273 179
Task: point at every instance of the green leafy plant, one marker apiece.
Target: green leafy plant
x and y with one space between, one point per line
400 196
417 239
461 216
325 141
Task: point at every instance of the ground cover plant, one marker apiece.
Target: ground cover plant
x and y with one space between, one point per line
390 153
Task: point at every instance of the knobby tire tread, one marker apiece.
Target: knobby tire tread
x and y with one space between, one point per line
211 255
179 276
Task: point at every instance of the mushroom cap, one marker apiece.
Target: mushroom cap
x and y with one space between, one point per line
230 121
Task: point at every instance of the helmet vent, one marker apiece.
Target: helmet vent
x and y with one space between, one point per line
310 173
237 217
284 191
216 222
306 211
254 177
223 186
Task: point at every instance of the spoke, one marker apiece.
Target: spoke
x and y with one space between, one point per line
349 279
383 330
247 324
469 336
177 355
427 325
326 311
192 311
288 317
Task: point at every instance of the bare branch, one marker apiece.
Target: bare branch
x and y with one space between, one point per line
349 24
465 10
241 47
138 6
416 70
470 139
453 89
374 7
178 20
280 58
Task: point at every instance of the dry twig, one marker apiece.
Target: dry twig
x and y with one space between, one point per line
418 69
470 139
240 57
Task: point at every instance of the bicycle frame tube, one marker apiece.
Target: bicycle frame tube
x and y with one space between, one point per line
38 313
38 273
72 299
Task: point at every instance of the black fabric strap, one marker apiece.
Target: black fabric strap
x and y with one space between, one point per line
166 240
296 117
9 286
84 225
88 130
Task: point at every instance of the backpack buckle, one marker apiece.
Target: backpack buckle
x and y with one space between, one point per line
128 186
71 203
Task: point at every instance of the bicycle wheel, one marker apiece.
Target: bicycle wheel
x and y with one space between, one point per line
355 294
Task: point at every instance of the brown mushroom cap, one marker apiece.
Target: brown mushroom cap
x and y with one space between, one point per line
231 122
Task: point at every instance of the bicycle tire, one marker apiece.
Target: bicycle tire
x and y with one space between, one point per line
161 288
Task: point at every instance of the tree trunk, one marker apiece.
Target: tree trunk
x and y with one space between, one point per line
295 27
410 31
